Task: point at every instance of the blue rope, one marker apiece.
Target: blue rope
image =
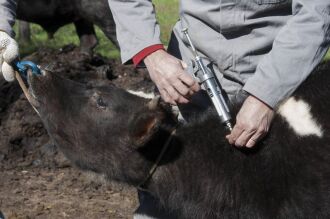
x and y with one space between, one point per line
23 66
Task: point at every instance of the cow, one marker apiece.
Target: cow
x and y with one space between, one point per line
53 14
191 168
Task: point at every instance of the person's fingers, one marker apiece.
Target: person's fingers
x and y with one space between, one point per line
11 51
175 95
181 88
256 137
189 81
7 72
185 84
172 94
1 61
168 73
184 65
183 100
251 143
4 40
235 133
244 137
166 97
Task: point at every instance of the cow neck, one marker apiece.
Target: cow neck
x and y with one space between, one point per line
142 185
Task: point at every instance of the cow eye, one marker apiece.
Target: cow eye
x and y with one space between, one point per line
100 103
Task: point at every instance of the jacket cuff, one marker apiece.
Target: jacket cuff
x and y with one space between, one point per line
263 93
138 58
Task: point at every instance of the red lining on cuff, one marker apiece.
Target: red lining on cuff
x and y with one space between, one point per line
145 52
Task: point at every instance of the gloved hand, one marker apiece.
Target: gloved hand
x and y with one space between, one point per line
8 53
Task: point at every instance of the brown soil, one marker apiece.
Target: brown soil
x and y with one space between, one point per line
36 180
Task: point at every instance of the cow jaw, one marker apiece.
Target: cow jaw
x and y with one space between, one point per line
34 101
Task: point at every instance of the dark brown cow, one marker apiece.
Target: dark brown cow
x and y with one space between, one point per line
110 131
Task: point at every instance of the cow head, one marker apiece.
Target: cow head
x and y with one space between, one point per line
103 129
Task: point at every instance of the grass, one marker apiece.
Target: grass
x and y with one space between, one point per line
167 15
167 12
327 57
64 36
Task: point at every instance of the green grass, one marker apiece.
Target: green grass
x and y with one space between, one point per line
40 39
167 14
64 36
327 57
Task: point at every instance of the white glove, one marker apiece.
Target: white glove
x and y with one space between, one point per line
8 53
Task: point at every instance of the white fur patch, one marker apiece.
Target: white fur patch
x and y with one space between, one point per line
142 94
298 114
142 216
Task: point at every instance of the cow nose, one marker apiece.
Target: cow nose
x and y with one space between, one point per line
44 72
31 74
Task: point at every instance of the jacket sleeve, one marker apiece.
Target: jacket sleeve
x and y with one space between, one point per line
136 26
7 15
298 48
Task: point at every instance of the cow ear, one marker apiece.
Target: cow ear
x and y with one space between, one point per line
143 127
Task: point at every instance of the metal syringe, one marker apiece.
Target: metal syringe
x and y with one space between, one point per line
212 87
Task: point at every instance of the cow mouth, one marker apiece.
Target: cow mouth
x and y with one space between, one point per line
35 86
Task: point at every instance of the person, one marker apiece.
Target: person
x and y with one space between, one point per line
264 47
259 50
9 48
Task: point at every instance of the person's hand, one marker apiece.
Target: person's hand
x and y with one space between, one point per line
167 72
252 123
8 53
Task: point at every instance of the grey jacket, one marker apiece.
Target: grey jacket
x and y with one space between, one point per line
7 15
266 47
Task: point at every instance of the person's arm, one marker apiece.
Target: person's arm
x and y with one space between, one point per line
9 47
298 48
136 26
7 15
138 33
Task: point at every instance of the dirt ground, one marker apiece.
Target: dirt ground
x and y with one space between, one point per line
36 180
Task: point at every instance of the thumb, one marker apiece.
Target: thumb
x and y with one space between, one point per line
8 72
